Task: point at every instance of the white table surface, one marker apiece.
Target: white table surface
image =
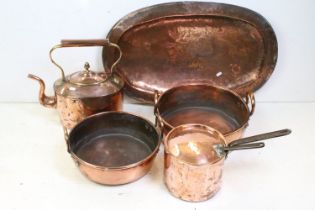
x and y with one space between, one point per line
36 172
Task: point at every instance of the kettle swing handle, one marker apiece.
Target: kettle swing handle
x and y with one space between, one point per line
84 43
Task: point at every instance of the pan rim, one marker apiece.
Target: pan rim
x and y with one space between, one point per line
207 85
209 128
124 167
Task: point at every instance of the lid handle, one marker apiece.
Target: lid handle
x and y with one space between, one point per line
84 43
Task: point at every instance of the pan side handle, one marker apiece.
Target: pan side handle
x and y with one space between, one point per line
250 103
158 122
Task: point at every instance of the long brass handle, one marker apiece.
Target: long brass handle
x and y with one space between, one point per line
244 146
260 137
84 43
87 42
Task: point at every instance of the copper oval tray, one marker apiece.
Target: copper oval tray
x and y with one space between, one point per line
170 44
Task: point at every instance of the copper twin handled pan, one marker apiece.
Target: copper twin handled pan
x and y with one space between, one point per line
198 103
114 148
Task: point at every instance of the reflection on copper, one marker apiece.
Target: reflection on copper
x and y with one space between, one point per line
205 104
85 92
192 169
167 45
114 148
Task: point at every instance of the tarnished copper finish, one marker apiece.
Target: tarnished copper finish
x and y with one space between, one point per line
198 103
114 148
194 157
190 181
167 45
72 111
83 93
47 101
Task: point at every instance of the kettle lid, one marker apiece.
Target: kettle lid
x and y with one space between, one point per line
86 77
87 83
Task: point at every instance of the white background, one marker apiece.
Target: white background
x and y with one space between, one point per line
36 172
30 28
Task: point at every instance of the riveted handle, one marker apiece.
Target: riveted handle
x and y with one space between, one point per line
84 43
222 151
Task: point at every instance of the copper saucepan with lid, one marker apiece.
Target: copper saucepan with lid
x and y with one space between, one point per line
205 104
85 92
194 156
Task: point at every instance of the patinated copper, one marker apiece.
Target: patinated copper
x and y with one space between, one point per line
198 177
170 44
192 181
205 104
114 148
85 92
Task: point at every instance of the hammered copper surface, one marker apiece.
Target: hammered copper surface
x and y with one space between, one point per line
204 104
192 182
170 44
114 148
73 111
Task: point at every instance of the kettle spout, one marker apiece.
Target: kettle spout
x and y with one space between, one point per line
47 101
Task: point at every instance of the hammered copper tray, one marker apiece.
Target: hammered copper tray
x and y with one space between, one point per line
170 44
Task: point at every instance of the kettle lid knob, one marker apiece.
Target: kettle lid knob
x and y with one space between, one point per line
87 66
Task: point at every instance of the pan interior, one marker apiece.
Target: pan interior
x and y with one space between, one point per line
112 150
210 116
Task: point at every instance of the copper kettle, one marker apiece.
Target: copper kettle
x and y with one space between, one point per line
85 92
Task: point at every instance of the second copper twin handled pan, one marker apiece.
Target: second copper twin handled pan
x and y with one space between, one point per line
204 104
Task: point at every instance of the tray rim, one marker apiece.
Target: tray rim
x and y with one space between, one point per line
164 10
